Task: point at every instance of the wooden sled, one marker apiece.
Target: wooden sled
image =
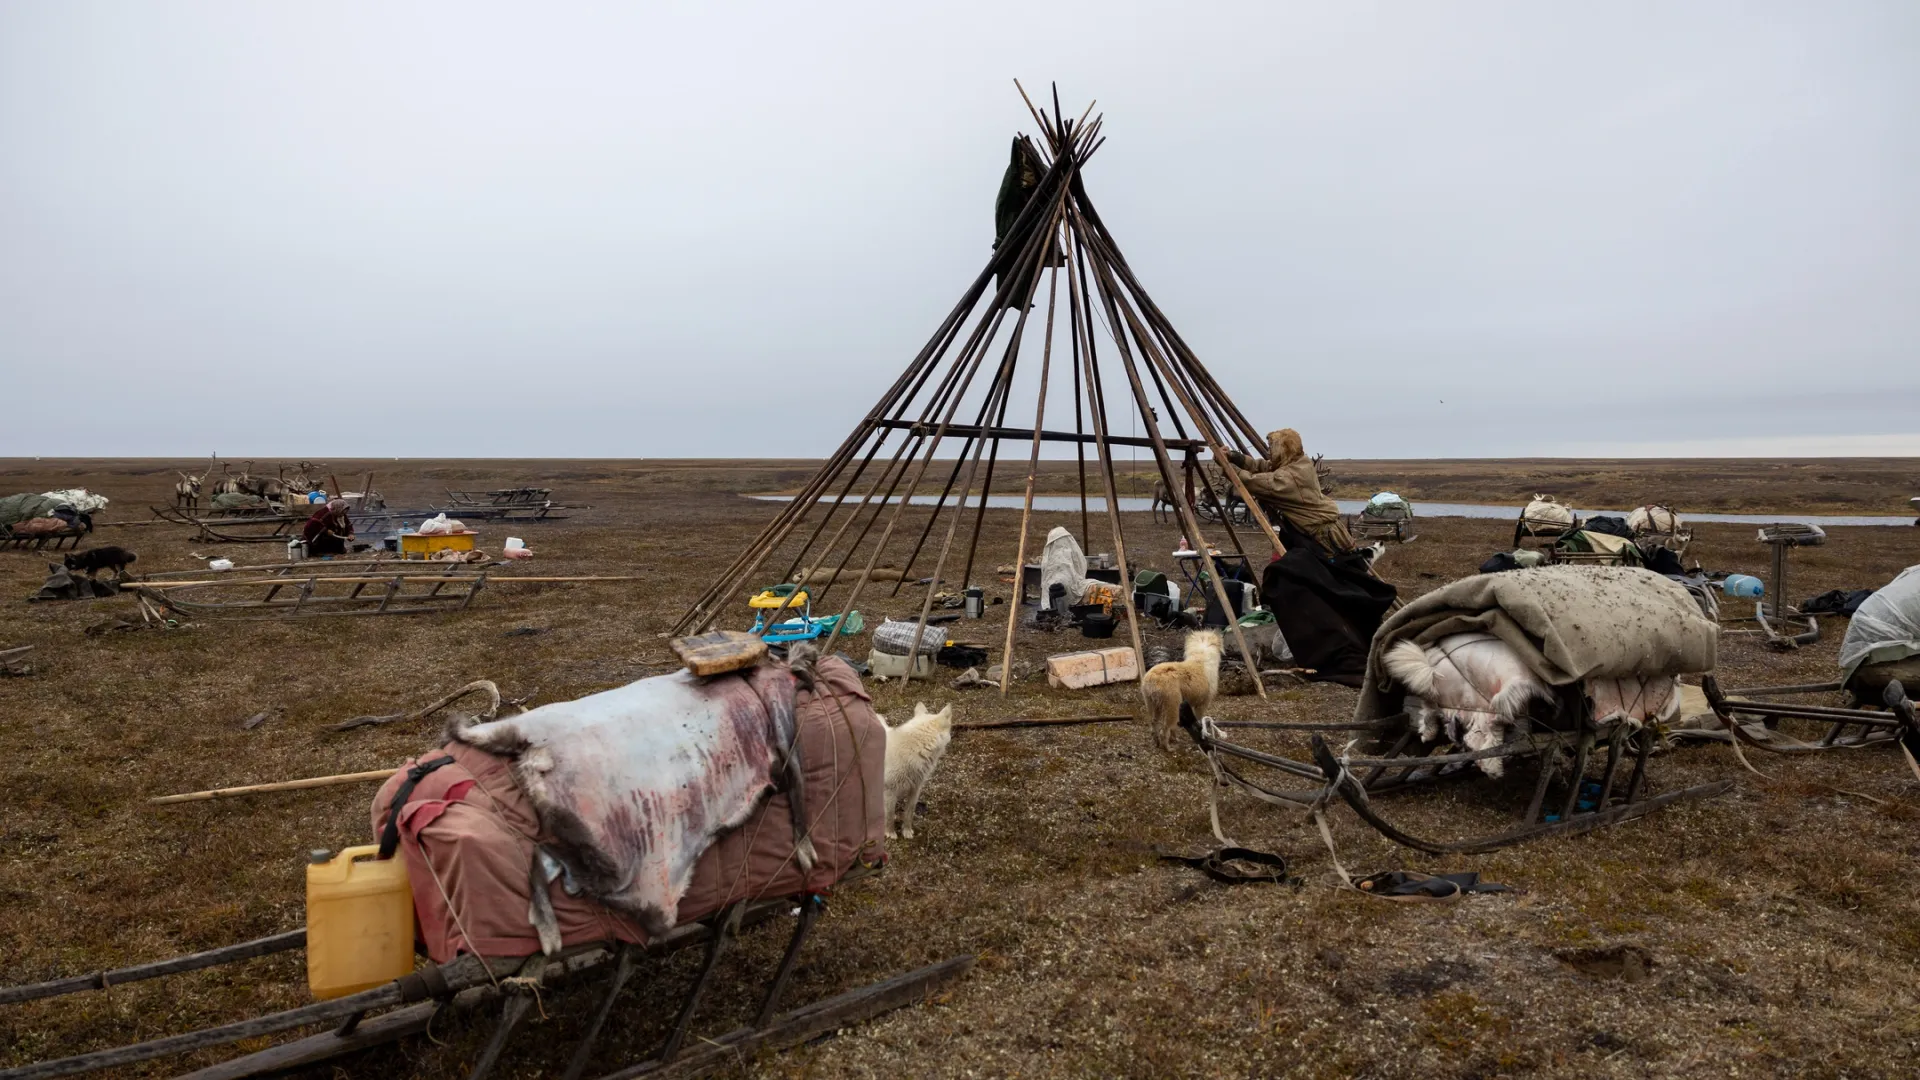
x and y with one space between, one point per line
406 1006
310 595
1756 723
506 504
47 541
1579 804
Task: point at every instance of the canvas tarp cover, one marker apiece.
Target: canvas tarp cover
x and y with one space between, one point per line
468 833
1568 623
1886 627
234 500
18 508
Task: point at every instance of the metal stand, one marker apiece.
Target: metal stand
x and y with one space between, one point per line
1776 615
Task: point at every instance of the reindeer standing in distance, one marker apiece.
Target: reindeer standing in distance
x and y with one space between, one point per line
186 493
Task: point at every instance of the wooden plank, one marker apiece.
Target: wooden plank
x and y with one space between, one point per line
977 431
390 1027
1095 667
719 652
808 1022
460 974
246 950
1042 721
279 785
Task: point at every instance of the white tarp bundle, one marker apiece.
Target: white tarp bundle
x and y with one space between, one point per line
1887 626
1388 506
1063 563
1653 521
1547 517
79 498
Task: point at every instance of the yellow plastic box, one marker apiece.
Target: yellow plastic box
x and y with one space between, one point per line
416 546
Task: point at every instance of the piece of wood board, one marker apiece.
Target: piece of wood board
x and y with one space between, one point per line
719 651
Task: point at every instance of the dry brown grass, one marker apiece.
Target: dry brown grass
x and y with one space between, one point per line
1780 919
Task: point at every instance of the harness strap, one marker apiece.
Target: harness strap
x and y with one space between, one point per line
390 836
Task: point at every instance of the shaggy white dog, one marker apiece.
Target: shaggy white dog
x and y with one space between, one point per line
914 749
1193 681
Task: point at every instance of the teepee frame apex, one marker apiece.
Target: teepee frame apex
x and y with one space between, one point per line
1057 229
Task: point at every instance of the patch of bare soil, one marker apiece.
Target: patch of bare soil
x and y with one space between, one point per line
1774 931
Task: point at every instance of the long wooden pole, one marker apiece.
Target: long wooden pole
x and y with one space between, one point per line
325 579
1151 354
990 327
1189 519
1097 408
281 785
704 610
1033 472
1002 381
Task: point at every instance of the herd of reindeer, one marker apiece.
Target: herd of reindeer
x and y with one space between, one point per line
186 493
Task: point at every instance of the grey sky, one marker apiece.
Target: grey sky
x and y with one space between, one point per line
642 230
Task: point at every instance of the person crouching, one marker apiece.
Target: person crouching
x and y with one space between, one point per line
329 530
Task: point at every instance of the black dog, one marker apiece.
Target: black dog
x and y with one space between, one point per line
95 560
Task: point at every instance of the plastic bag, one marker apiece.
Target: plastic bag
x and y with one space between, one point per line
441 525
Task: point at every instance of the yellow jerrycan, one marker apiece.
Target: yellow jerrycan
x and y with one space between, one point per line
359 921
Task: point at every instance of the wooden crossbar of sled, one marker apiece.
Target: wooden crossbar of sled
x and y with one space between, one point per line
1567 798
298 591
312 595
1756 723
406 1006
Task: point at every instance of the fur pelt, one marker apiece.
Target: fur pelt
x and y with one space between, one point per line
1471 687
1193 681
633 784
914 749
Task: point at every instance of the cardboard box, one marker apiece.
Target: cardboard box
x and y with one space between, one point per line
1096 668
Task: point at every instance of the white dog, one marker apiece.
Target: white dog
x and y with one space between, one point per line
914 749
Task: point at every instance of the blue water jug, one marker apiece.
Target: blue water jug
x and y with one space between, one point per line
1743 586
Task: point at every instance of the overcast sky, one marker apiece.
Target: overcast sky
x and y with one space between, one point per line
477 229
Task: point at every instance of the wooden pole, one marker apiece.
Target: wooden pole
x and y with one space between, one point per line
1097 408
1189 519
1033 472
1002 381
706 609
978 352
1043 721
282 785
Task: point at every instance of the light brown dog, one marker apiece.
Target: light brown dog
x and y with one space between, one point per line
1193 681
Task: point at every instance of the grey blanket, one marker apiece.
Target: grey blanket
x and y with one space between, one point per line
1568 623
